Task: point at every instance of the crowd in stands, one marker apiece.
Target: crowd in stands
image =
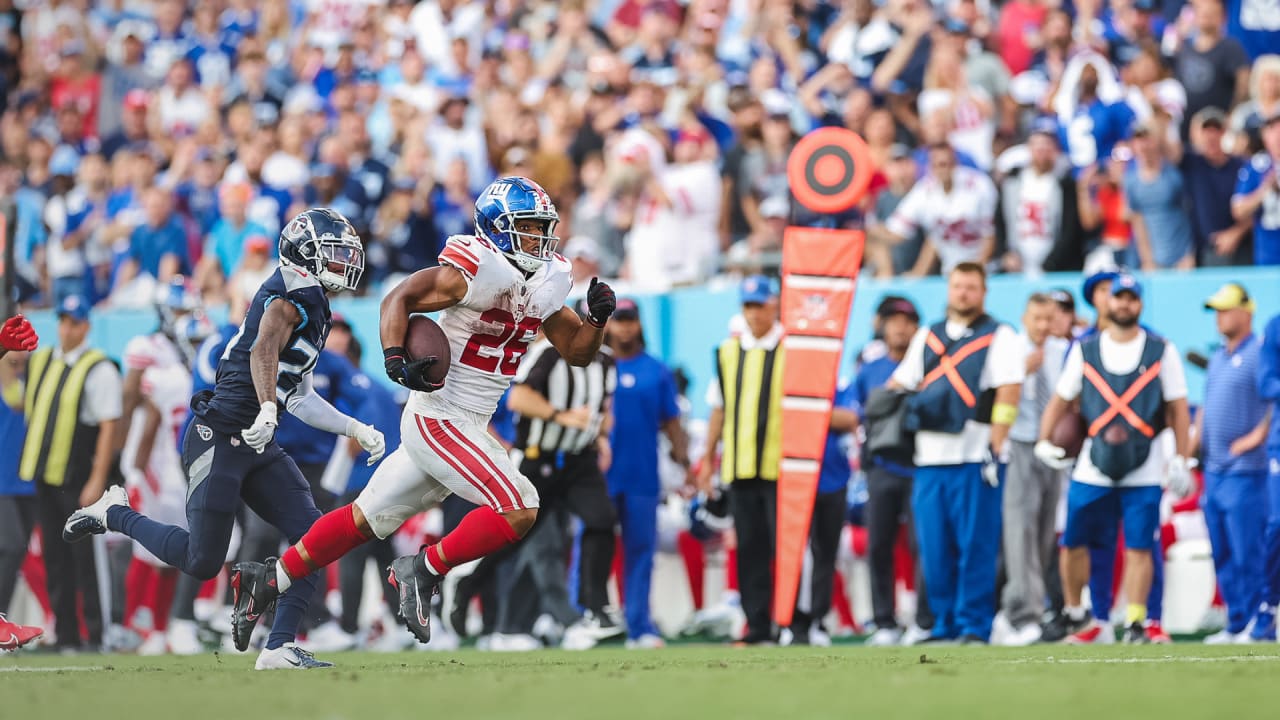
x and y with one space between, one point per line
146 139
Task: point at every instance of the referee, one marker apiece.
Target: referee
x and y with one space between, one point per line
562 442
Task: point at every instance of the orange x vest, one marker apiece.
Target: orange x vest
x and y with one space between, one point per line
1123 412
950 395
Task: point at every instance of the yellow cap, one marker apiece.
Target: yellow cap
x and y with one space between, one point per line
1231 296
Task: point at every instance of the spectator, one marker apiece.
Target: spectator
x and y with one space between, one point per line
75 85
1037 223
403 231
452 201
1263 102
1252 23
157 248
226 242
1104 209
954 207
131 123
763 173
900 173
1257 195
1091 125
180 105
1211 65
1153 192
1020 33
1210 174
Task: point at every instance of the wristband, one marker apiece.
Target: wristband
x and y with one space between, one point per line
393 352
1004 414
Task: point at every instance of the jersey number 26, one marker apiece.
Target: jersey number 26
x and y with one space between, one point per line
512 339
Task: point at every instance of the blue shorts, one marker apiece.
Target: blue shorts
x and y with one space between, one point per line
1094 513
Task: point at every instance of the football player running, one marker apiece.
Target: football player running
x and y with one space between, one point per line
229 452
496 290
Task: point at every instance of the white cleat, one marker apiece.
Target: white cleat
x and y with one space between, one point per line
819 637
915 635
155 644
1224 637
579 636
92 519
514 643
289 657
330 637
184 638
885 637
646 642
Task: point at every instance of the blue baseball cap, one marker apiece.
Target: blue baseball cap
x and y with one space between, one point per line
757 290
1125 282
1092 282
74 307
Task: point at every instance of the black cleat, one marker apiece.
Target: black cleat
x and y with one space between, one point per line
253 586
1062 627
416 589
1136 634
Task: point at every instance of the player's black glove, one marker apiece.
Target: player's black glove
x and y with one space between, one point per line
601 302
409 373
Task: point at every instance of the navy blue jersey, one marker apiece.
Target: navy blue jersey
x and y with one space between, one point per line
233 404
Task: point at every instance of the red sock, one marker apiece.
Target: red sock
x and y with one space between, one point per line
332 536
481 532
166 583
137 586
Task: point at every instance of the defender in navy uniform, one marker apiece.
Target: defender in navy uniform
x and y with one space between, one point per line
229 451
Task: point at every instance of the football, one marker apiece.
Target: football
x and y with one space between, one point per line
424 338
1069 433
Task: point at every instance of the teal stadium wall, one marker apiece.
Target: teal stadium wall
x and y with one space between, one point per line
683 327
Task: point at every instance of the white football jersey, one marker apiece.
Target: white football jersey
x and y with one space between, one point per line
154 350
490 330
168 387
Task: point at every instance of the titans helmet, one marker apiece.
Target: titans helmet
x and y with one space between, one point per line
507 201
323 242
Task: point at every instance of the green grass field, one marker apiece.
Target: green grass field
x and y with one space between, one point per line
1040 683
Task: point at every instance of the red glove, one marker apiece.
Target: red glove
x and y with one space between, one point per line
17 334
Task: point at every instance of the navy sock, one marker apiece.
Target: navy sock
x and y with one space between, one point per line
167 542
290 608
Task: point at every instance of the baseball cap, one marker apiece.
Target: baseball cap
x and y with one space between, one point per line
899 151
775 103
1045 126
955 25
1231 296
1092 282
897 305
1125 282
775 206
257 243
1144 5
136 99
626 310
757 290
1065 299
1210 116
74 307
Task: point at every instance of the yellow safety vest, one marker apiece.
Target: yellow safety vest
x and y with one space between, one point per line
54 393
751 385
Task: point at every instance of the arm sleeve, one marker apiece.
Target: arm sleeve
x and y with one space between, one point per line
1269 363
910 371
103 388
1173 378
1072 378
1006 362
670 408
315 411
1247 181
906 217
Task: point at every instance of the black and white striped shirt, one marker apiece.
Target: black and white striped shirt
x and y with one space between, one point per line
565 387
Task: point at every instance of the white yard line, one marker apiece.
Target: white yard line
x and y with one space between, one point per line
62 668
1140 660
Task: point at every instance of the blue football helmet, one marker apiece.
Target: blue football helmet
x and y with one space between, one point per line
709 516
174 300
323 242
508 200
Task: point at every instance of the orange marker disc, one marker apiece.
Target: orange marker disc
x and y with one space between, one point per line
829 170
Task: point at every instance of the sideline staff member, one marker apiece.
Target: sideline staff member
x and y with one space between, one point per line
968 372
